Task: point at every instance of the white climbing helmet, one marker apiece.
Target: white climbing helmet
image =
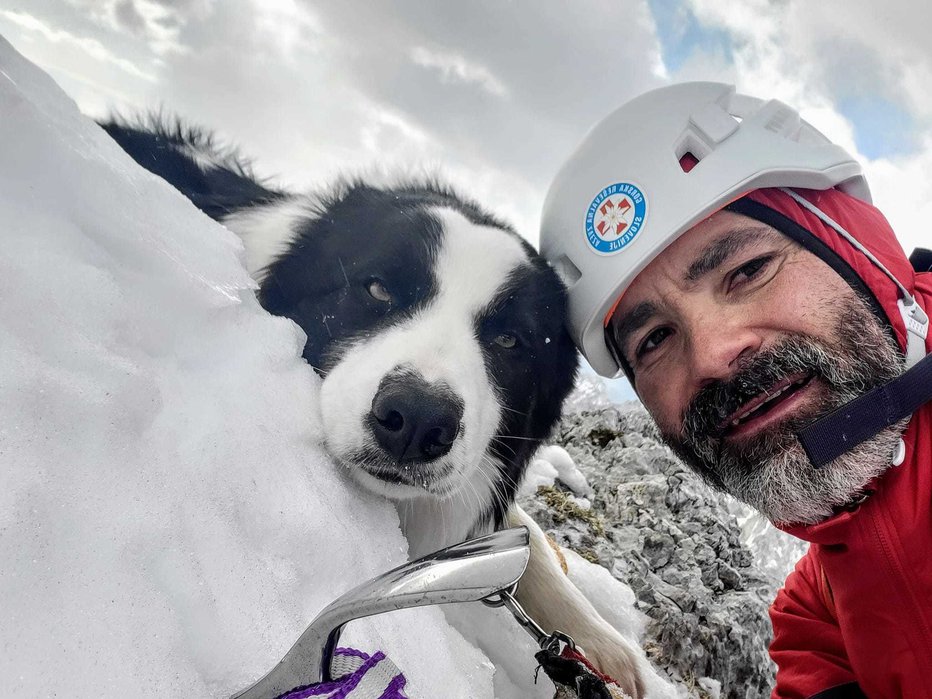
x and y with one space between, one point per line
622 197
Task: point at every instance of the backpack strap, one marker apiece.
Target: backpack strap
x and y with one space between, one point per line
921 260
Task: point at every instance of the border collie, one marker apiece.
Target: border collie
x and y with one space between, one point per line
437 332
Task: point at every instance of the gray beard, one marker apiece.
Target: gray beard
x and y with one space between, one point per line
770 470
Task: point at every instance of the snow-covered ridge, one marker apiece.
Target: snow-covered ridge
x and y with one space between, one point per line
168 524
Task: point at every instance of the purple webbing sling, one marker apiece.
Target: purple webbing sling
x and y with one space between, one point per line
359 676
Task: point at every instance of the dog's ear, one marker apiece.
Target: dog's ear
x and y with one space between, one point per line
275 292
177 152
273 298
305 270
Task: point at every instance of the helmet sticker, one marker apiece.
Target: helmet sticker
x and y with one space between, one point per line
615 217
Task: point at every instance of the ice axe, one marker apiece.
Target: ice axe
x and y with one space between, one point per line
479 569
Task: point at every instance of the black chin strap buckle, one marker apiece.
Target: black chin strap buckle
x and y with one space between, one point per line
844 428
921 259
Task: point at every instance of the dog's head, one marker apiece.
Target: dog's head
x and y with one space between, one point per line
438 333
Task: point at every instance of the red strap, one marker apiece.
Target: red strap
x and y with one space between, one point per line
574 654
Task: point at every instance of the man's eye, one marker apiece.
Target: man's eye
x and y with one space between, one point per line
652 341
749 271
379 291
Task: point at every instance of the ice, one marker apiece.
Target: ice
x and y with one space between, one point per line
540 473
168 521
775 551
567 471
552 463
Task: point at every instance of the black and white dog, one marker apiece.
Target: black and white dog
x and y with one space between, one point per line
437 331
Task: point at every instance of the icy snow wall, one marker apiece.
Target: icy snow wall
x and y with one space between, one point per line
168 524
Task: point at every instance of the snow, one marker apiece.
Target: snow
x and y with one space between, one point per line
775 552
510 647
567 471
168 523
552 463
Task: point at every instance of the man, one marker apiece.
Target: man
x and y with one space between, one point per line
725 255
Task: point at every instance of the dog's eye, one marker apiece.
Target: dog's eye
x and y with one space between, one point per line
506 340
378 291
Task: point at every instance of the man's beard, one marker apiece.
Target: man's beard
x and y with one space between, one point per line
769 470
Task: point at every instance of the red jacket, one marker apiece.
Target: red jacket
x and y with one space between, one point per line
855 616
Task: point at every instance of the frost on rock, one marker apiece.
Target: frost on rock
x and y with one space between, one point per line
589 393
656 527
169 524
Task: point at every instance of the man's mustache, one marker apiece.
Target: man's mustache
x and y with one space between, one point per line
707 414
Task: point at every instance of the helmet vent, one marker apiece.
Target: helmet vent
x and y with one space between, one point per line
784 122
688 161
566 270
690 149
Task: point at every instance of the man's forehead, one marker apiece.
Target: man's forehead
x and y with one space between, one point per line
698 250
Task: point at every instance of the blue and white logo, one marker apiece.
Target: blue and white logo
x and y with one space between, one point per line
615 217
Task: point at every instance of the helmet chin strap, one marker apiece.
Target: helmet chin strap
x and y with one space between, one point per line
844 428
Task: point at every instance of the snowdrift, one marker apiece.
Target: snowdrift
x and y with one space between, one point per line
168 522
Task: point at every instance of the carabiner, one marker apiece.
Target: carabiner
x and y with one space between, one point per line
546 641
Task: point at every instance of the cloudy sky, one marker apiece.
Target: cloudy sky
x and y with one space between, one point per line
493 93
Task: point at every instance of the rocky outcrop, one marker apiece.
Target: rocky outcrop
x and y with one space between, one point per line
677 544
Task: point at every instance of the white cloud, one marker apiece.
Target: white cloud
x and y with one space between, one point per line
156 22
89 46
288 26
812 55
455 68
902 189
312 90
387 129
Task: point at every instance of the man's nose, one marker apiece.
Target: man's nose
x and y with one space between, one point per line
719 344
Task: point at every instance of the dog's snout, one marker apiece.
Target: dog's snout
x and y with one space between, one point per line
414 421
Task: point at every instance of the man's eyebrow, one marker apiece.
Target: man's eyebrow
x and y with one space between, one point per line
630 322
718 251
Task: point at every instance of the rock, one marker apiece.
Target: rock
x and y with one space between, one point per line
656 527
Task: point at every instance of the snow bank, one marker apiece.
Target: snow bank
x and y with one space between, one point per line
168 524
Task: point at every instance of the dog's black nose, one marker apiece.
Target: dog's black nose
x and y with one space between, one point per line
415 421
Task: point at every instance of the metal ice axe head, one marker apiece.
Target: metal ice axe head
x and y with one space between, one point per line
467 572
